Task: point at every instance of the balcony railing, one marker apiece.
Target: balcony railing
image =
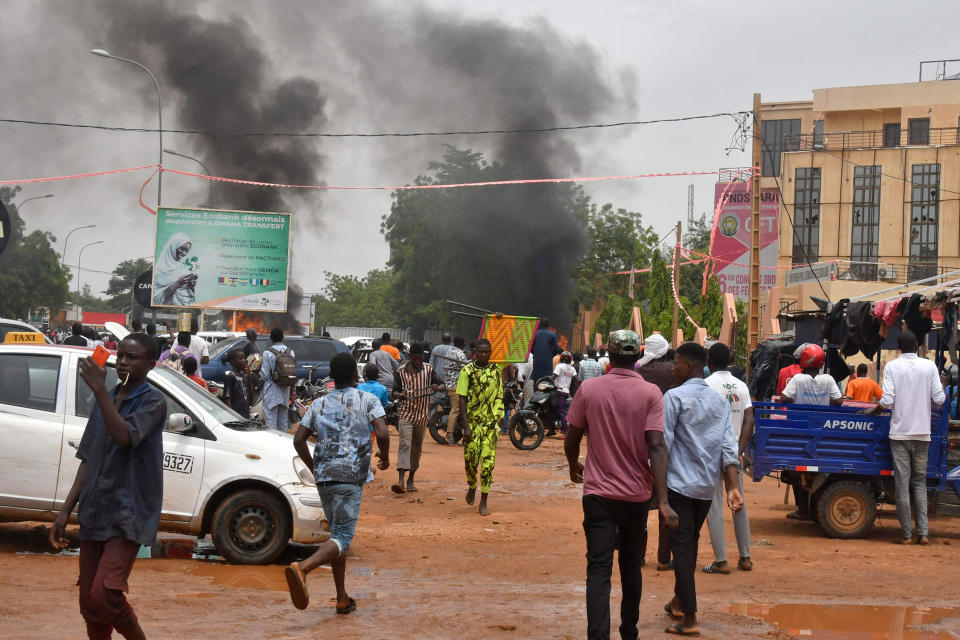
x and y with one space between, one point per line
844 140
888 272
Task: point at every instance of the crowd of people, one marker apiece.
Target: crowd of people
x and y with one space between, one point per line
667 430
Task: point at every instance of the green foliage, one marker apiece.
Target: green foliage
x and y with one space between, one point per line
709 310
369 301
30 271
119 289
697 238
89 302
743 328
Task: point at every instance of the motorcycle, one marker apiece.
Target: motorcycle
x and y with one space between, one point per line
539 417
439 413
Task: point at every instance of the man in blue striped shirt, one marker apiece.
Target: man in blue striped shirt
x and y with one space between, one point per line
699 434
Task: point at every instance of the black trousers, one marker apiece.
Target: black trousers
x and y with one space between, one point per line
609 523
663 543
686 538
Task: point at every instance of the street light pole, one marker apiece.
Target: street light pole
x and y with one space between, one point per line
79 256
104 54
19 206
63 256
202 166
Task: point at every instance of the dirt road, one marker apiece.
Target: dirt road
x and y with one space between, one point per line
426 565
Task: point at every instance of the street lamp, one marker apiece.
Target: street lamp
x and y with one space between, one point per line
79 256
202 166
19 206
104 54
63 256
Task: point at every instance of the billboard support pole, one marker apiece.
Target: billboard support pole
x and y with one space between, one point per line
676 284
753 313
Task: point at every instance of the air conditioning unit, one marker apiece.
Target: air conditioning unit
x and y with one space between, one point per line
886 272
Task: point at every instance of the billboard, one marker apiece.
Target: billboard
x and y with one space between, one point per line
221 259
731 237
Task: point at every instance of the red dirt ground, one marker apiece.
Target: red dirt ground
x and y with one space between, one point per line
428 566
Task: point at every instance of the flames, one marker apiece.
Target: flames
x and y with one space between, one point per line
244 320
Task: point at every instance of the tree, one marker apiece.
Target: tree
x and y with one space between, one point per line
89 302
361 302
30 271
120 288
509 248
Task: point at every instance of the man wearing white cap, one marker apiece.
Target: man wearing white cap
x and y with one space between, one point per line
654 368
653 365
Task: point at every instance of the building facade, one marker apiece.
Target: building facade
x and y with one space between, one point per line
869 179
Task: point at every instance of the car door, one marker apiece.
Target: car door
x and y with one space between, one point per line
31 427
183 454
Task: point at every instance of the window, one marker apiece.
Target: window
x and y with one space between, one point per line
818 135
924 220
312 350
777 136
918 131
865 237
891 134
806 216
85 400
29 381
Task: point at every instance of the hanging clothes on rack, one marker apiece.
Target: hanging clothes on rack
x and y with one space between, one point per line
834 327
863 330
949 331
917 321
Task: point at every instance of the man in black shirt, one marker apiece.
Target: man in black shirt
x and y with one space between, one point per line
250 346
77 339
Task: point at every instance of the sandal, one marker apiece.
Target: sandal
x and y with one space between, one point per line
745 564
398 489
351 606
678 629
665 567
717 567
298 588
670 612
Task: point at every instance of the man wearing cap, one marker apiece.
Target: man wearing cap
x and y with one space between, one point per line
655 369
653 366
622 416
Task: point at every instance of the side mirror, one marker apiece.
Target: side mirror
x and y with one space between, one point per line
179 423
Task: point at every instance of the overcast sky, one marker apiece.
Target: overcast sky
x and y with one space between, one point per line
685 58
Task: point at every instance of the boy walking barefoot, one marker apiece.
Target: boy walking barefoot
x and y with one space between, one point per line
119 486
480 390
341 460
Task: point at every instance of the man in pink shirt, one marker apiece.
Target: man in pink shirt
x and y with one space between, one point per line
622 415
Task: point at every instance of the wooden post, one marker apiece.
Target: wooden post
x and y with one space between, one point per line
753 308
676 286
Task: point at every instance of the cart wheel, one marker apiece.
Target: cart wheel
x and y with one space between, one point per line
846 510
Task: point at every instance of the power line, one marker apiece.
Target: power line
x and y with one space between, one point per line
404 134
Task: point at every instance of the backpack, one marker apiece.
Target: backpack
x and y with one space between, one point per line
285 368
174 359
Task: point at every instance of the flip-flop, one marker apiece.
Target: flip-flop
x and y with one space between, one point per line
298 588
670 612
745 564
677 629
412 489
351 606
716 567
398 489
665 567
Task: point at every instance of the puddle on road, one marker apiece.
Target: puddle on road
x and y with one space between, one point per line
265 577
852 622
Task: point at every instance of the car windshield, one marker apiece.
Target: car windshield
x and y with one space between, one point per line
220 412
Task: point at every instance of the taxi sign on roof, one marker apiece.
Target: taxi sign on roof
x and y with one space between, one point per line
24 337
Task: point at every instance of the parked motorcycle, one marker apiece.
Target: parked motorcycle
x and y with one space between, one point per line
439 414
539 417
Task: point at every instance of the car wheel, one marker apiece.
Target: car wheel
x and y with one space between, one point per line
251 526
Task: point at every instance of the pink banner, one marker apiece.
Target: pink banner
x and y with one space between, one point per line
732 237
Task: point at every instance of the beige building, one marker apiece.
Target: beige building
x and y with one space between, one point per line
870 179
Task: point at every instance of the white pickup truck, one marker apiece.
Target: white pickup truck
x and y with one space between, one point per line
223 475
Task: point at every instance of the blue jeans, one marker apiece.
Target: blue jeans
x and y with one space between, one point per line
341 506
910 481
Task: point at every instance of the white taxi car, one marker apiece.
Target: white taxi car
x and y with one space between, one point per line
223 475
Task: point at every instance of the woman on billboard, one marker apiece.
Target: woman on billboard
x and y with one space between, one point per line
174 277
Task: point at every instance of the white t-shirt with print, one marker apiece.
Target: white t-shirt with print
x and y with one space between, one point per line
736 393
565 373
805 389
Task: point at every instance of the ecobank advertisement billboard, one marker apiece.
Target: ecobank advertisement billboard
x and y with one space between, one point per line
221 259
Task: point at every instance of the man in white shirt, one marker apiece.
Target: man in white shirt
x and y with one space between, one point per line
199 347
810 386
911 386
741 413
564 373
